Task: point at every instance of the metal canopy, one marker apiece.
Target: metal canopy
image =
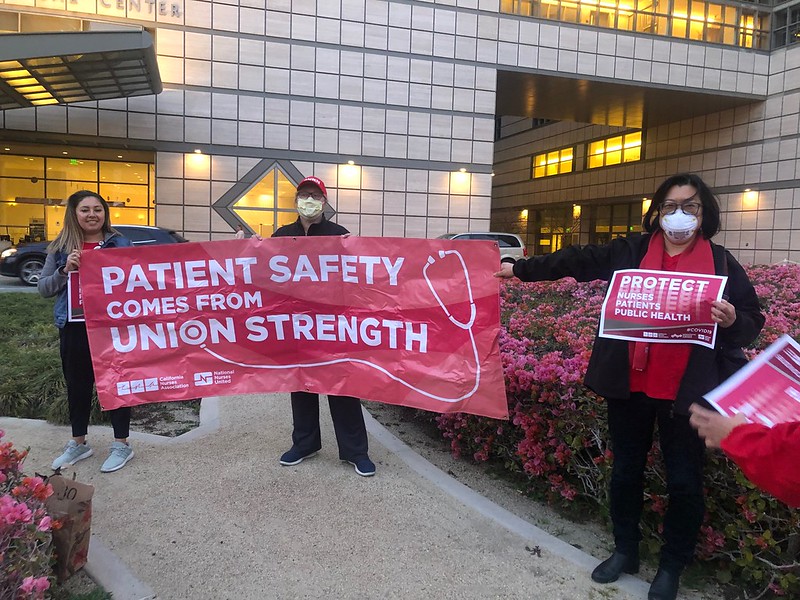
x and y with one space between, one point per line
563 98
38 69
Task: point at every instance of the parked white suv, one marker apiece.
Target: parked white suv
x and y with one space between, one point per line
511 246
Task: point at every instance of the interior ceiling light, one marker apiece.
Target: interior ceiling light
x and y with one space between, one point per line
24 83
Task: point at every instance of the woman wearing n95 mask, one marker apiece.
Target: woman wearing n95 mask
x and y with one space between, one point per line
650 384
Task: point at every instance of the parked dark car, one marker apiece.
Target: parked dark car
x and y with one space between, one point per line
26 261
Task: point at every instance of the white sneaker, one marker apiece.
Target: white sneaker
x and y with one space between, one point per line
73 452
119 456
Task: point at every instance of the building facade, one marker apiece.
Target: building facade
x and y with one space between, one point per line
394 104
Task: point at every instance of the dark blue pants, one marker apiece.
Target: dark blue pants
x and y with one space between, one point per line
348 423
631 423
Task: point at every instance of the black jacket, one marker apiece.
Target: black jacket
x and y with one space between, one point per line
608 371
324 227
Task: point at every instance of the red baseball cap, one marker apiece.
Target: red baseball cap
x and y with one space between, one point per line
316 181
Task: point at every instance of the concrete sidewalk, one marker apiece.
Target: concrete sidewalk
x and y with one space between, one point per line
212 515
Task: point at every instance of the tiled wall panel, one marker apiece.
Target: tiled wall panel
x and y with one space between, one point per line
409 90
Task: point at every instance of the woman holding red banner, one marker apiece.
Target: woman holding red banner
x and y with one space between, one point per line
87 226
646 384
766 455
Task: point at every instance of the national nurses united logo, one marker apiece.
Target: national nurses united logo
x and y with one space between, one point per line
205 378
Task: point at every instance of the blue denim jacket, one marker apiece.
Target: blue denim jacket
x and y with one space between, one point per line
53 281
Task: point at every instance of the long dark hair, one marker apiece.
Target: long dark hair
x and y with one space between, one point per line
710 225
71 235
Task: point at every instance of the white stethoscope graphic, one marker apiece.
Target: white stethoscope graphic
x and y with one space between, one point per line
465 326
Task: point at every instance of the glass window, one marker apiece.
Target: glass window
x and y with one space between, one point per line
269 204
22 166
539 166
129 216
620 218
746 30
626 17
554 162
261 195
124 172
697 21
260 221
632 147
714 23
692 19
680 18
22 204
596 154
286 192
33 190
124 194
12 190
517 7
569 12
615 150
72 169
61 190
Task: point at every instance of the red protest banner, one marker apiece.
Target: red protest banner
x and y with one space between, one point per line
74 297
401 321
661 306
767 389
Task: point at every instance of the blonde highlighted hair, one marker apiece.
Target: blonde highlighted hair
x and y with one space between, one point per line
71 235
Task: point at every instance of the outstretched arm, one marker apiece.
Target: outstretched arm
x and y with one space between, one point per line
767 456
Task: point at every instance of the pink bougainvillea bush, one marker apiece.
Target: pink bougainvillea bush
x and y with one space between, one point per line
25 529
557 435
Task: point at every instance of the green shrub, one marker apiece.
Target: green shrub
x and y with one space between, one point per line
31 383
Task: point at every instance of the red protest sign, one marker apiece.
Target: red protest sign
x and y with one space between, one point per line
661 306
74 297
767 389
402 321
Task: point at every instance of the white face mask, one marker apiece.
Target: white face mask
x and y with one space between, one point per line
310 208
679 226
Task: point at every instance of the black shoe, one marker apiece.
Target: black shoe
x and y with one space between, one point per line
294 457
611 568
665 585
364 466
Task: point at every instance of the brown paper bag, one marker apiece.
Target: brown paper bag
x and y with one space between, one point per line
71 504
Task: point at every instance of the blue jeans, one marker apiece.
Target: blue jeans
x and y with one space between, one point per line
631 423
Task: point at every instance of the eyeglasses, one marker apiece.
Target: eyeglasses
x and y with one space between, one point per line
307 195
690 208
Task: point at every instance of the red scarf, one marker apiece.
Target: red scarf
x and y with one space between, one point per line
657 369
